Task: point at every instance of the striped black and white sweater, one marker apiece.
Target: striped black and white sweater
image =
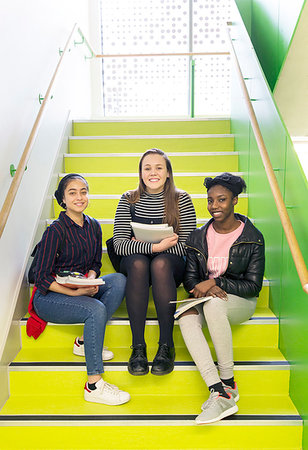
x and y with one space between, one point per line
151 206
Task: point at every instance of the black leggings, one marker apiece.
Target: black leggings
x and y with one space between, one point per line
165 272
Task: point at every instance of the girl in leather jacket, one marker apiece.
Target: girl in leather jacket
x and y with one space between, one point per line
225 261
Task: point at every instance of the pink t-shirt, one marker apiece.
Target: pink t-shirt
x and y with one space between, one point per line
218 246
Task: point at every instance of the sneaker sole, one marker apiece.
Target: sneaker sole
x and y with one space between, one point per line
224 414
92 400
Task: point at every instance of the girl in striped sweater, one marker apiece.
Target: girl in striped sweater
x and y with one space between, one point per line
156 200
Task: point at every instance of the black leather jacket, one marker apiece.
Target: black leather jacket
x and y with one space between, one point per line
244 274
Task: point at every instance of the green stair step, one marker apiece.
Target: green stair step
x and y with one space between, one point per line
134 144
124 162
105 205
138 127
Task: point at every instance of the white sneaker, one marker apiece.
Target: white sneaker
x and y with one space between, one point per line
234 392
216 408
78 350
106 393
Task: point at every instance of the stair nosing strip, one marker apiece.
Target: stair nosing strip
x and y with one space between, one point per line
120 366
154 322
154 119
152 136
118 196
158 419
131 174
130 155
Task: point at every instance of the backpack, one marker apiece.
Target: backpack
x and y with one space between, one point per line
34 254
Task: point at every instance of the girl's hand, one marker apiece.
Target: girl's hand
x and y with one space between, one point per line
216 291
202 289
87 291
166 243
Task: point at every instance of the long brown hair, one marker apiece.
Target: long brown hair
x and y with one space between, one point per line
171 193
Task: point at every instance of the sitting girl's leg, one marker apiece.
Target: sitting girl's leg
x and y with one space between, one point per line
60 308
112 292
219 314
166 273
191 329
136 268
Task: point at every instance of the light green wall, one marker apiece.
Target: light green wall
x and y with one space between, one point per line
271 24
288 300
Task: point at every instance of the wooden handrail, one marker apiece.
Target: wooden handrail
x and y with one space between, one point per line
282 210
10 197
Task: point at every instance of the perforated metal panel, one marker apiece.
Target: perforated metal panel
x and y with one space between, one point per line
161 85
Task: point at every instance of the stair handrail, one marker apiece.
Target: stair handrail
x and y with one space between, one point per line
16 181
281 207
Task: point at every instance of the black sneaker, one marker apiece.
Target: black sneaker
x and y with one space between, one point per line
138 362
163 362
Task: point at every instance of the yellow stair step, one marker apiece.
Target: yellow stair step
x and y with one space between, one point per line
253 333
141 127
150 394
251 435
105 205
125 162
134 144
117 183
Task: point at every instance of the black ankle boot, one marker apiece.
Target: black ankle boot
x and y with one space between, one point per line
138 362
163 362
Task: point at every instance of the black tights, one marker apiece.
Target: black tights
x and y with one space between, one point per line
165 272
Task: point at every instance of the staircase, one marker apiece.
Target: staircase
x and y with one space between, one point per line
46 409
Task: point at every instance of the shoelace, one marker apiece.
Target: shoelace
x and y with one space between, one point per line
137 352
111 388
163 351
210 401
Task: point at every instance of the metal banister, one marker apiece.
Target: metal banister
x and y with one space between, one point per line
10 197
282 210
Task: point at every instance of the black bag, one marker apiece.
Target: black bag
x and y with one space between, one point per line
114 258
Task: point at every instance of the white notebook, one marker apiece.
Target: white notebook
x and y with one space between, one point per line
151 233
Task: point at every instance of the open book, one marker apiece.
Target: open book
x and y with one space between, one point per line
76 280
151 233
188 303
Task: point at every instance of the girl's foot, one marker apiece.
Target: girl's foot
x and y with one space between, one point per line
105 393
78 350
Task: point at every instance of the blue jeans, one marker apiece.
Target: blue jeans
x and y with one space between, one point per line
94 312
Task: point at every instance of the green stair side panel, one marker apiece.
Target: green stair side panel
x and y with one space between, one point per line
287 298
271 25
108 128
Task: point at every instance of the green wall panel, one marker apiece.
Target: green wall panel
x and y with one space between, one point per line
271 24
287 299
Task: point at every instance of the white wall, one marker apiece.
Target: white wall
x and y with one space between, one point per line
32 33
